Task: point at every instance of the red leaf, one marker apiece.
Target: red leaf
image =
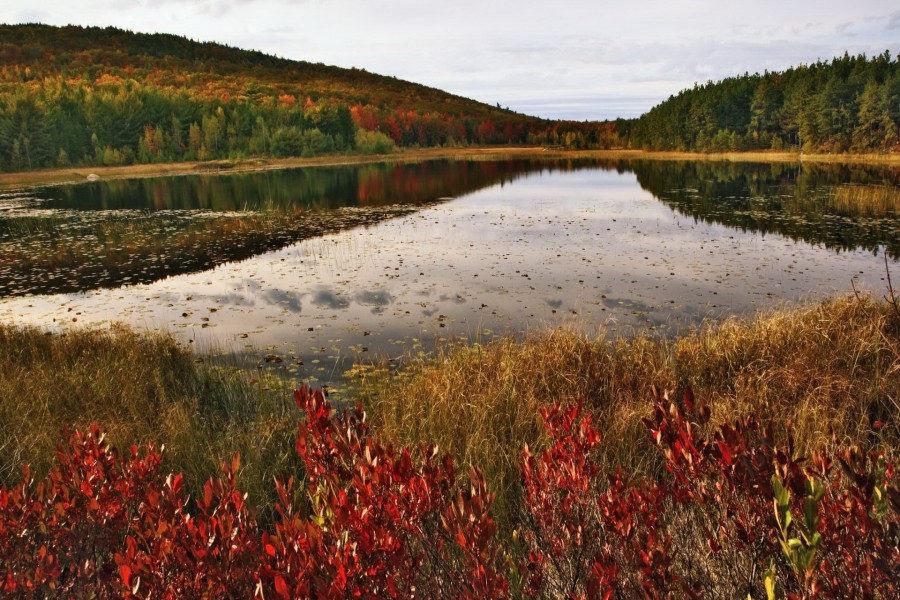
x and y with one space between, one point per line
689 399
725 451
281 587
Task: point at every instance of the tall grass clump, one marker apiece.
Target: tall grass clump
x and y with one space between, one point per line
865 200
140 387
829 373
482 403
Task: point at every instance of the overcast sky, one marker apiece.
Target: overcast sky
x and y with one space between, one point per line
573 59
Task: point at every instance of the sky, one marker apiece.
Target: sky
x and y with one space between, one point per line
566 59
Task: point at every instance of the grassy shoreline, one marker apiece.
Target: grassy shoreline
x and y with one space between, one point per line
79 174
824 372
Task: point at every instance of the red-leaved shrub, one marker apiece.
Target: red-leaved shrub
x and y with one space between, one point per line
738 513
381 525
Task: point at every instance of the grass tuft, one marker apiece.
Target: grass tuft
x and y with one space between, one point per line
140 388
826 373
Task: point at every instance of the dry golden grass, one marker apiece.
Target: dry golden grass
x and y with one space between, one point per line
140 388
866 200
824 372
765 156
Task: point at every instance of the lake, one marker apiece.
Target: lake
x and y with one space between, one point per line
314 269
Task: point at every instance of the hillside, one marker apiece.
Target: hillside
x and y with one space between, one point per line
207 70
87 96
74 96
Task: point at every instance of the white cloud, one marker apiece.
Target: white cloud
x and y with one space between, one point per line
577 58
894 21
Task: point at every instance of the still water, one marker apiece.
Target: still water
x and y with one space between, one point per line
319 268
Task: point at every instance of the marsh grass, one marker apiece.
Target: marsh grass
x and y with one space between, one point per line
140 388
825 373
866 200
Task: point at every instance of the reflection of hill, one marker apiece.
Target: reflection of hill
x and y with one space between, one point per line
108 234
289 190
843 207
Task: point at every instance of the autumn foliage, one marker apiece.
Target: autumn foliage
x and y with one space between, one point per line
739 514
74 96
374 523
736 514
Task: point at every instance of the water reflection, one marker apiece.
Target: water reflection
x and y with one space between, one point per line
843 207
106 234
288 190
378 298
291 301
327 299
655 245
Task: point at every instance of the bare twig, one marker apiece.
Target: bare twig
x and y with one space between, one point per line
855 291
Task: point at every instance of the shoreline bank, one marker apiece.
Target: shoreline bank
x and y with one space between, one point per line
79 174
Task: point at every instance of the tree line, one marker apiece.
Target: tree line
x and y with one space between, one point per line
122 122
86 96
850 104
92 96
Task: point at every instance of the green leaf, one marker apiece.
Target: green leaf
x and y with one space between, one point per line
769 581
816 540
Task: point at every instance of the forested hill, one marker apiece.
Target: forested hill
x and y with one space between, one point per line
81 96
851 104
207 70
89 96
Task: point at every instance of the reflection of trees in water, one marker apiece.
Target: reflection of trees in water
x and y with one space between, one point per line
843 207
138 231
315 188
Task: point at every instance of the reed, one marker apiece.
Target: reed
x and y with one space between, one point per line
873 201
826 373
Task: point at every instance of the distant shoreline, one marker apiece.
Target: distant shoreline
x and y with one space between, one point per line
79 174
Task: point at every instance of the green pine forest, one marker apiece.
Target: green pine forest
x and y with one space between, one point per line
103 96
851 104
